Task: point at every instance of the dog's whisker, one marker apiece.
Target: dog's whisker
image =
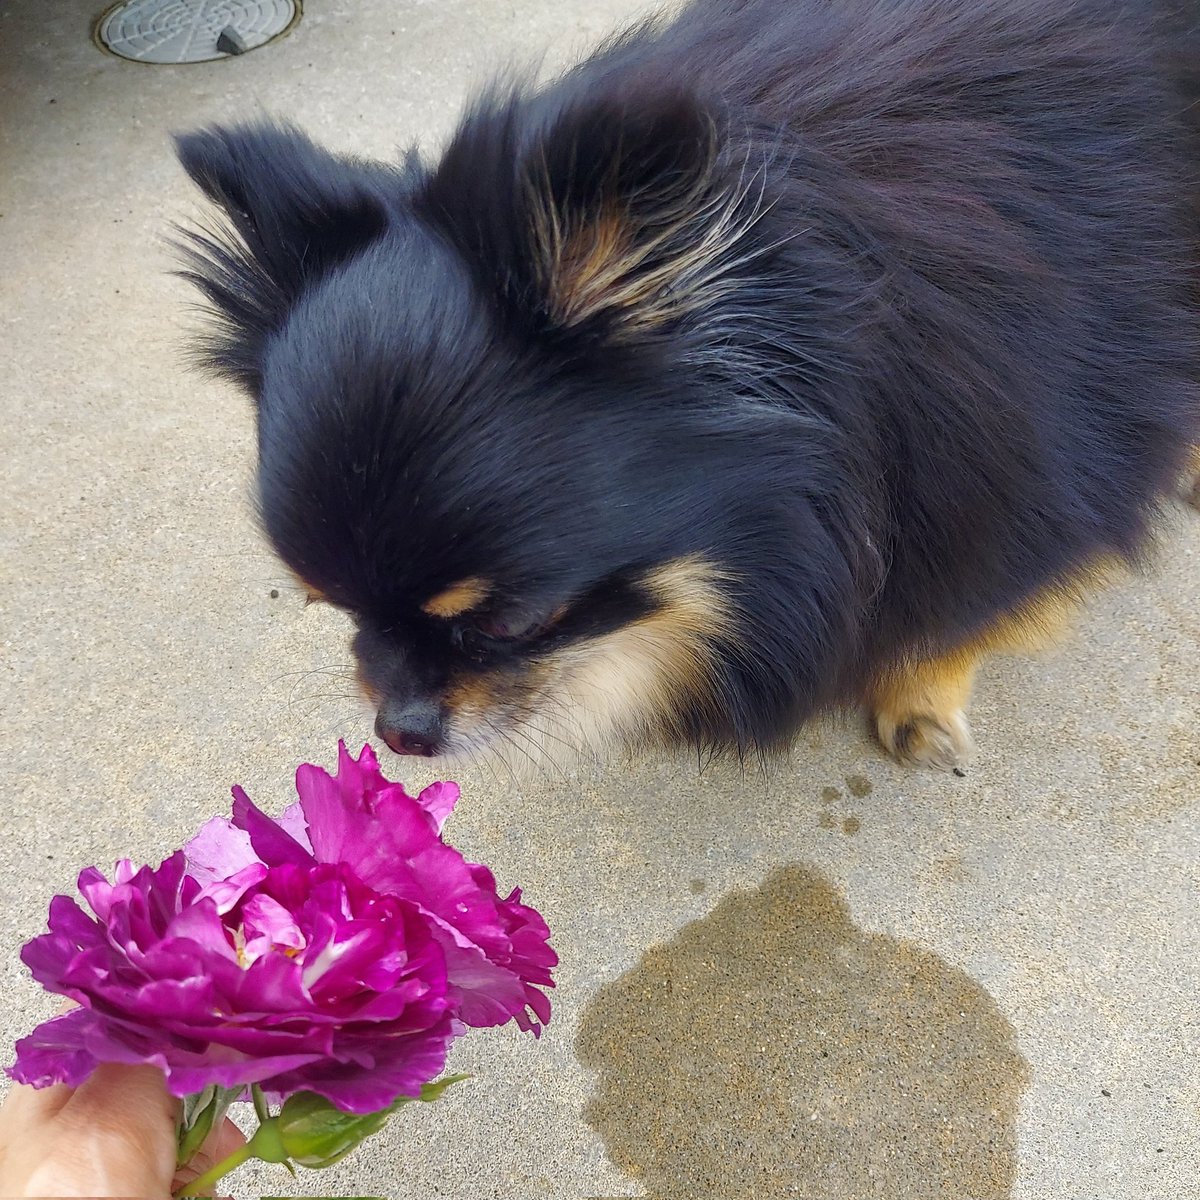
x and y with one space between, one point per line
315 698
549 759
498 758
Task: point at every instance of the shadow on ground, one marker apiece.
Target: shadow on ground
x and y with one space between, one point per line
775 1049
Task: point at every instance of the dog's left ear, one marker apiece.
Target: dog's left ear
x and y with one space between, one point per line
295 211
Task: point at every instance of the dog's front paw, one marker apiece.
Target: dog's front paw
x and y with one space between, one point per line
941 740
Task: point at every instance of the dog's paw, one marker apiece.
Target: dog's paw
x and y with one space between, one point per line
942 741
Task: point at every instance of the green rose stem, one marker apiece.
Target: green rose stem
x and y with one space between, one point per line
202 1184
308 1131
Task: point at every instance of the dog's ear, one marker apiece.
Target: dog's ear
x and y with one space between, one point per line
633 213
608 215
293 211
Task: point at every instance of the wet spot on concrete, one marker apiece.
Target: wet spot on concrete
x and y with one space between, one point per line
851 825
859 785
697 886
775 1049
830 795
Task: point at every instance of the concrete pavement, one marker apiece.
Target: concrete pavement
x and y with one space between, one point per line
842 981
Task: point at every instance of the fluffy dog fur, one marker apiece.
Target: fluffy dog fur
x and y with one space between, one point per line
783 356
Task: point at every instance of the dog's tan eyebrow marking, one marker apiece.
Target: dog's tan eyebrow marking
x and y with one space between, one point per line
458 598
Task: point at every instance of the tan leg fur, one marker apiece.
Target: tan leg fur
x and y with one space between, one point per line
920 708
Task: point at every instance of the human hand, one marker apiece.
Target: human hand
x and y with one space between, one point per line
114 1135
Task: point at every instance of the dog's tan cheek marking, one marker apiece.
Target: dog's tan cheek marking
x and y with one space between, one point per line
470 695
633 681
626 685
491 714
458 598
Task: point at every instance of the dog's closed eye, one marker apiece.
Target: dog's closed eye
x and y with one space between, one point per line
508 628
489 633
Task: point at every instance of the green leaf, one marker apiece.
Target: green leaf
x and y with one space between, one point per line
315 1133
199 1114
431 1091
261 1109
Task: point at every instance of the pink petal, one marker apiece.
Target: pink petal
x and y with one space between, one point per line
438 800
225 893
265 917
55 1051
219 850
292 822
374 1071
273 844
202 925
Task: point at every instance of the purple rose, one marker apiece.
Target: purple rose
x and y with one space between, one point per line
338 950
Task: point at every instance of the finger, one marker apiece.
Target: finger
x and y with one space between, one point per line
139 1092
127 1114
26 1106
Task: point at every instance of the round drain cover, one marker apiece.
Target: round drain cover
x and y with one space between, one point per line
188 31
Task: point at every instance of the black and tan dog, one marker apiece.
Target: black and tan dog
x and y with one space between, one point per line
783 356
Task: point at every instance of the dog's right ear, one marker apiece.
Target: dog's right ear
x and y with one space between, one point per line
293 211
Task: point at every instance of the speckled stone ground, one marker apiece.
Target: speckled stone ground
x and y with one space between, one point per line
842 981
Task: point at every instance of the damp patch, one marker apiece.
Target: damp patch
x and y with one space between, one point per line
191 31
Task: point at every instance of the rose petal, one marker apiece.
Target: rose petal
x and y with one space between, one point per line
225 893
266 917
219 851
200 924
271 843
339 948
55 1052
438 800
372 1072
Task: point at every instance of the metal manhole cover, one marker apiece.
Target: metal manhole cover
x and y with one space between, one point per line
188 31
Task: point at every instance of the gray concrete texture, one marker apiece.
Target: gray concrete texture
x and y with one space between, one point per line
844 980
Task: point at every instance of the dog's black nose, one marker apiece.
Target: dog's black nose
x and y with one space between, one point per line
412 728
